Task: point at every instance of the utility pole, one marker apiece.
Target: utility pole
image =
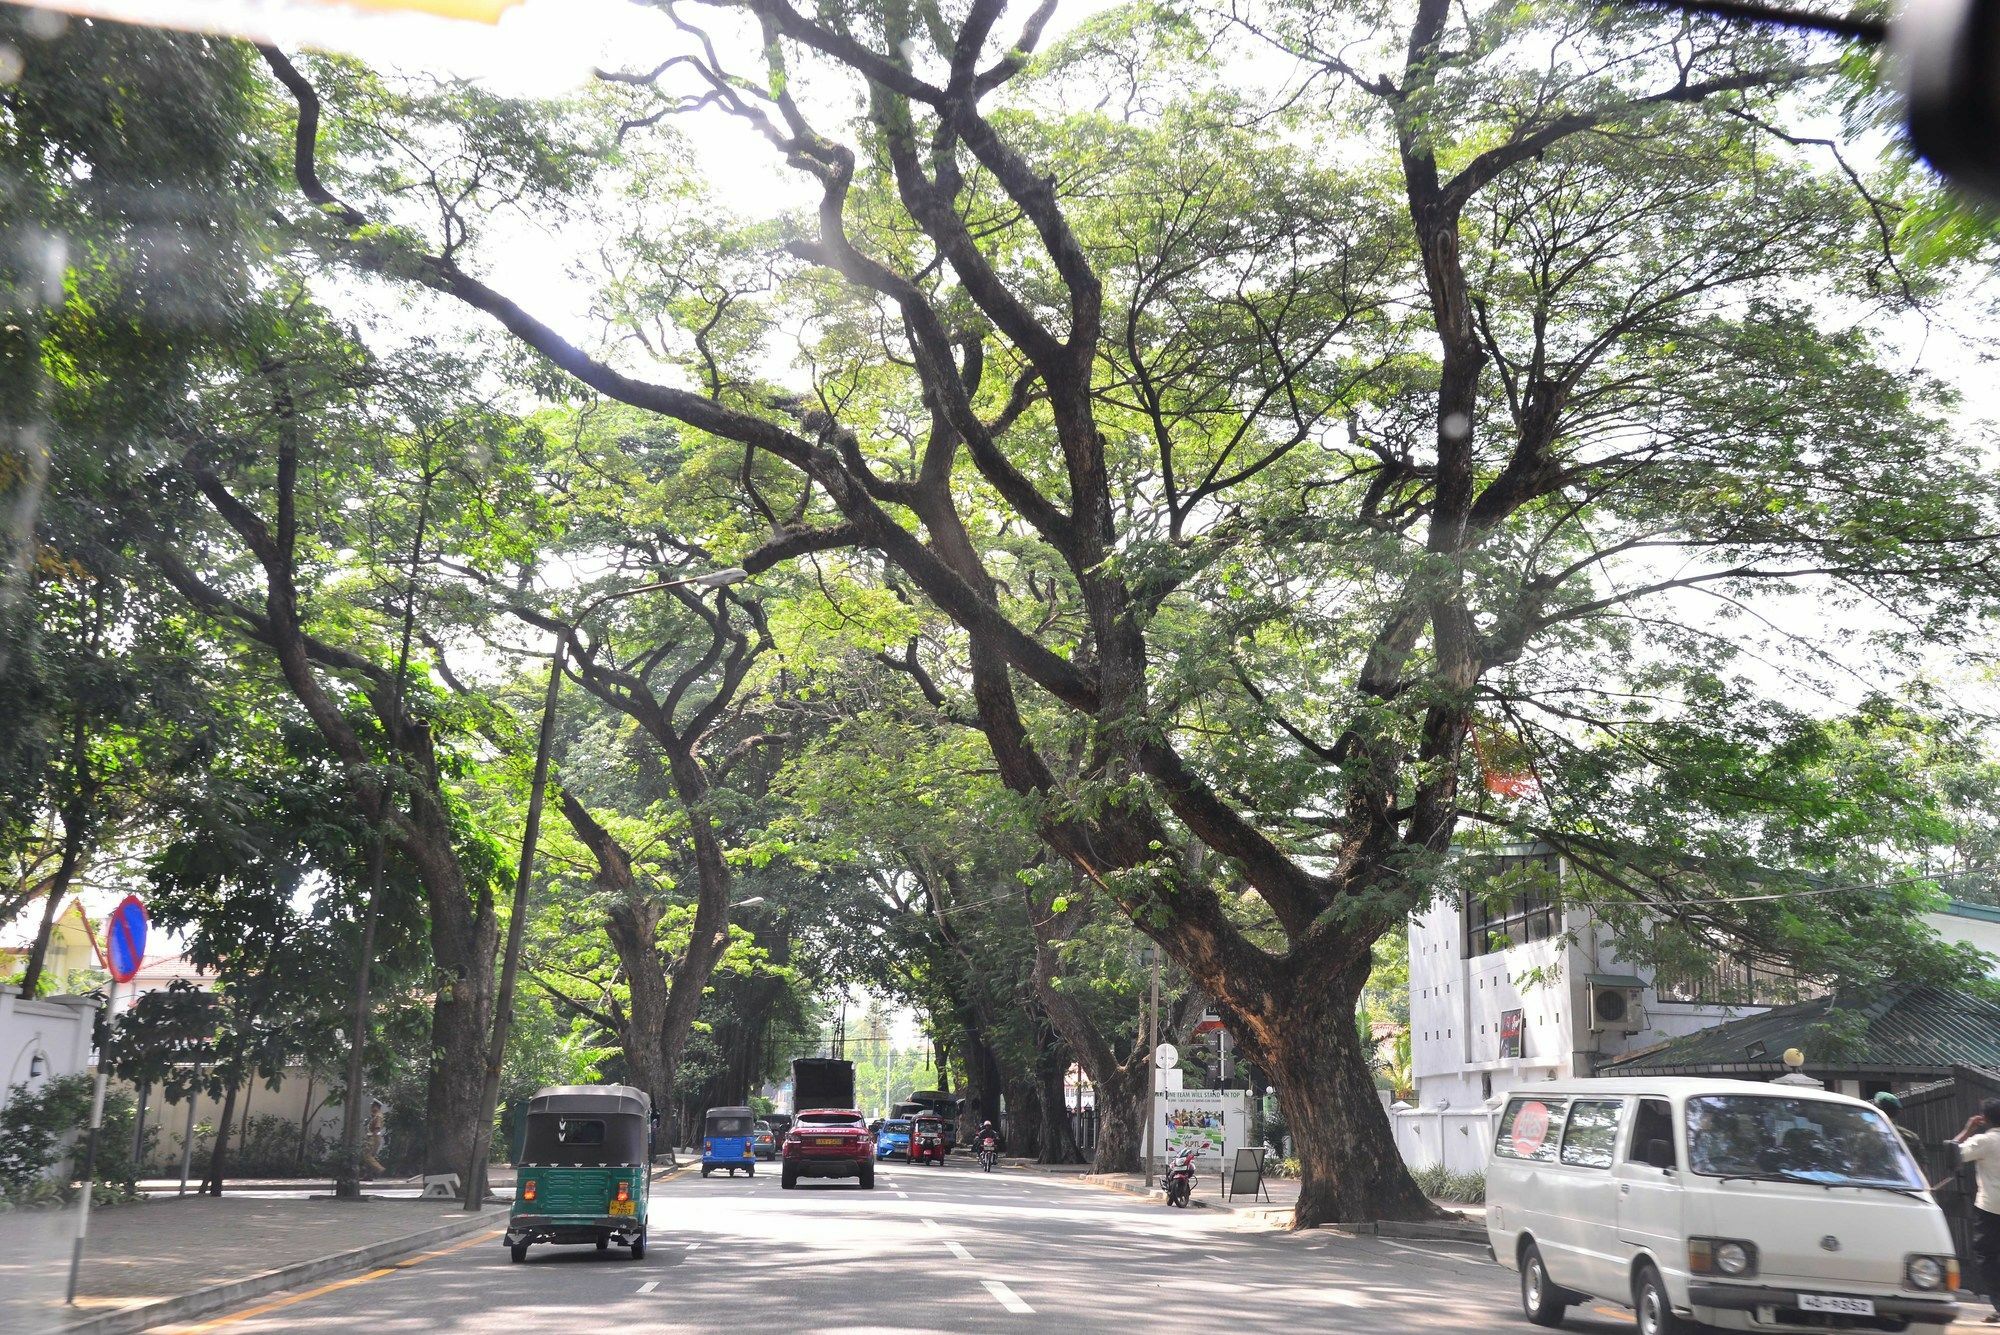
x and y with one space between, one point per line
474 1182
1151 955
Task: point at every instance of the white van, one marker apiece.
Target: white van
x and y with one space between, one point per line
1710 1202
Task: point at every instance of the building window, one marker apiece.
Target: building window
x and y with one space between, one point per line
1736 980
1517 904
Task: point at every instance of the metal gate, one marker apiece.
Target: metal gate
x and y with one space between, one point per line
1934 1114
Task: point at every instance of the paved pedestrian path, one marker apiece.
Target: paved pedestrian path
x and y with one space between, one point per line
165 1248
1272 1207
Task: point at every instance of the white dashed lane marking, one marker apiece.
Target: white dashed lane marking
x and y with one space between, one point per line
649 1286
1006 1297
958 1250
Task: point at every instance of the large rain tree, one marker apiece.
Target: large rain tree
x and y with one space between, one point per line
1265 450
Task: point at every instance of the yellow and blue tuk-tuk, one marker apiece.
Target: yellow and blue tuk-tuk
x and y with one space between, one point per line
584 1169
729 1140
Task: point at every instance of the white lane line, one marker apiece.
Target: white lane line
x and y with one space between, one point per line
958 1250
903 1195
934 1225
649 1286
692 1245
1436 1256
1217 1259
1006 1297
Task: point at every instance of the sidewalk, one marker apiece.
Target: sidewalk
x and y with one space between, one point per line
163 1250
1258 1211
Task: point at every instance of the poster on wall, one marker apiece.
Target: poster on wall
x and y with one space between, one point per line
1215 1122
1510 1034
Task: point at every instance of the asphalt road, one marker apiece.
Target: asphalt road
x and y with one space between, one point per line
929 1249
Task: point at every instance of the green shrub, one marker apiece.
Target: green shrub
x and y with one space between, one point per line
42 1139
1441 1184
269 1147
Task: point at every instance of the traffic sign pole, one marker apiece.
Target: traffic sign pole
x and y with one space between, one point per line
90 1144
124 952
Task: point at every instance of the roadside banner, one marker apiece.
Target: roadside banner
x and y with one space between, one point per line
1215 1122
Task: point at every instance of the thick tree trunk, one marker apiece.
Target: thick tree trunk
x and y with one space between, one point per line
1350 1169
38 953
465 936
1121 1118
1024 1115
982 1084
56 891
632 923
211 1185
1058 1142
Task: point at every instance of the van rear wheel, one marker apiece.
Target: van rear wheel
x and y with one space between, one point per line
1541 1301
1655 1308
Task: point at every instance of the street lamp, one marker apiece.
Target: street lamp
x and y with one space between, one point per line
482 1136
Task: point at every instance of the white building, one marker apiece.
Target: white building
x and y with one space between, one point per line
1508 994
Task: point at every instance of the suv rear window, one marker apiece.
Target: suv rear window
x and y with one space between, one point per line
1528 1127
831 1119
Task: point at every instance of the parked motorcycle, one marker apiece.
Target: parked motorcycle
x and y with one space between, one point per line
1180 1178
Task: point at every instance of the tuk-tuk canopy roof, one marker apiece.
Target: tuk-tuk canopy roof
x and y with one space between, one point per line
594 1100
732 1112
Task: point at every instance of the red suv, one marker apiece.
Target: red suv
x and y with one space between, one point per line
828 1142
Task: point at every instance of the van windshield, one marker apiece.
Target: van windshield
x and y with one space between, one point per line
1796 1140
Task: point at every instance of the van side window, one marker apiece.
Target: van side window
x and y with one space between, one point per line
1652 1131
1591 1133
1528 1129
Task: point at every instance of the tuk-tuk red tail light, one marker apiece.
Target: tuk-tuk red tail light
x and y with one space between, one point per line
624 1191
528 1190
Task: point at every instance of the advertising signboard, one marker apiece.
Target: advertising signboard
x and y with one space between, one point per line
1216 1122
1510 1033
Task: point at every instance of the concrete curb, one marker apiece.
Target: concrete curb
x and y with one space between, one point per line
218 1296
1435 1231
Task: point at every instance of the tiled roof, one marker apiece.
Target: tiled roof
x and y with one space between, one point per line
1903 1028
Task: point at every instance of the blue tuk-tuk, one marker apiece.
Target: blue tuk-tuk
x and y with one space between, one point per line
729 1140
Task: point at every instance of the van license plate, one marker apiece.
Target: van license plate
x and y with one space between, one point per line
622 1207
1820 1302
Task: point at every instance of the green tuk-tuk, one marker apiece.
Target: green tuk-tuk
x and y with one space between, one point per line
584 1170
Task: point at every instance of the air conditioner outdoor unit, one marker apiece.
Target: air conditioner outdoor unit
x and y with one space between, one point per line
1615 1010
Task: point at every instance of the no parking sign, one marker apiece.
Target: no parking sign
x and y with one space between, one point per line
125 939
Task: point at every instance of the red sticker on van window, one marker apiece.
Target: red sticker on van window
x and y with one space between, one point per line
1531 1128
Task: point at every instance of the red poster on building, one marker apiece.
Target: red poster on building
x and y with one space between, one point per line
1510 1033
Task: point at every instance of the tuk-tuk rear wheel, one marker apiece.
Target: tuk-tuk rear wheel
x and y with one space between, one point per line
639 1248
519 1251
704 1170
604 1243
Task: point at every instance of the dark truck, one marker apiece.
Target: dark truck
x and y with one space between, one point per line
822 1082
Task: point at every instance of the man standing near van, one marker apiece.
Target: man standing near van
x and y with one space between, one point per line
1979 1149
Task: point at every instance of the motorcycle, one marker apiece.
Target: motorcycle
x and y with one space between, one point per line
1180 1178
989 1154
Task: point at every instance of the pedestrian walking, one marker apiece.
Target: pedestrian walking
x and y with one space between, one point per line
1979 1148
376 1138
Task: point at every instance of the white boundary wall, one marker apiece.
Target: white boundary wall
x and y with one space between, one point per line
55 1029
